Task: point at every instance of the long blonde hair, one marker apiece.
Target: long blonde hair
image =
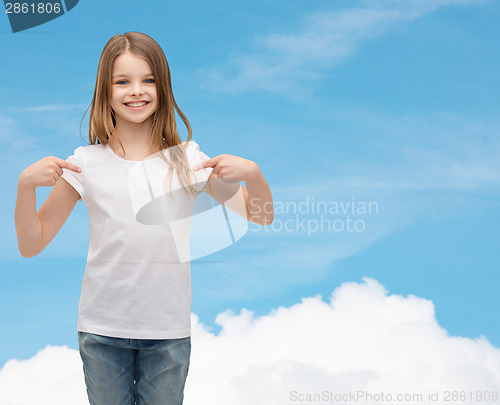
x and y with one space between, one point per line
164 132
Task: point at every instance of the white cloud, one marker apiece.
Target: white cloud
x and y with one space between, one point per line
281 62
363 339
54 376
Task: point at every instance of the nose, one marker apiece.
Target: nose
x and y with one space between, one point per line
136 90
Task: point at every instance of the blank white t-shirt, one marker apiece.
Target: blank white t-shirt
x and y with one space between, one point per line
135 284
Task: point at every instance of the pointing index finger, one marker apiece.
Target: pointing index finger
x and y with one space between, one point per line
207 163
66 165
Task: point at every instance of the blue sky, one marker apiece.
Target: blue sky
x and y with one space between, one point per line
358 101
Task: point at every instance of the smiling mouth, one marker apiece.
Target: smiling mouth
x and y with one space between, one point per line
136 105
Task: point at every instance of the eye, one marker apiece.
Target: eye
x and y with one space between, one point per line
150 80
121 81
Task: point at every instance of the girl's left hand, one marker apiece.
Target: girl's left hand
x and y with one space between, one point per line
229 167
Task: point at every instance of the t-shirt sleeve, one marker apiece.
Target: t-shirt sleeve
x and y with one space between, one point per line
74 178
197 157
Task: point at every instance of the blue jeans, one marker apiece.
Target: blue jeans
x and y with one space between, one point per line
134 371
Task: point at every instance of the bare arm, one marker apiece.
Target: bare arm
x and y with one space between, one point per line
258 198
36 230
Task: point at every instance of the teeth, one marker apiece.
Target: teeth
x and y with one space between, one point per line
136 104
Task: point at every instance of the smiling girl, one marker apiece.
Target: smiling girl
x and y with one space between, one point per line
134 312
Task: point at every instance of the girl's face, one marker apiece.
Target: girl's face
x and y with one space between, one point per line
133 91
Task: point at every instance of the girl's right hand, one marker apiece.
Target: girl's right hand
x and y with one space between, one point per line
45 172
